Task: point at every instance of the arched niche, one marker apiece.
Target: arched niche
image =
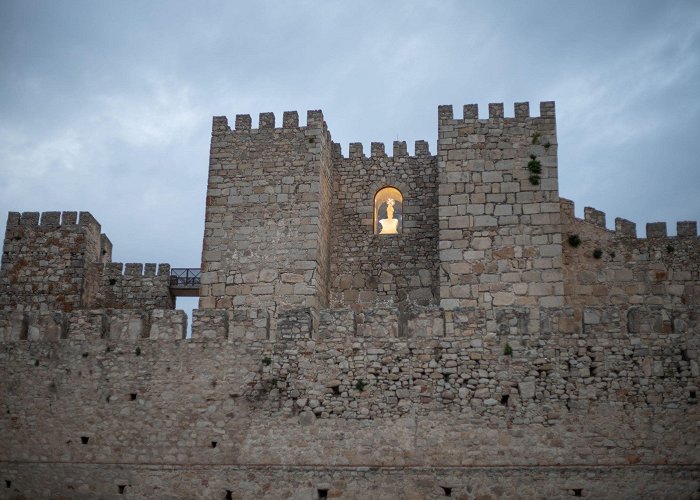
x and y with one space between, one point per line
388 211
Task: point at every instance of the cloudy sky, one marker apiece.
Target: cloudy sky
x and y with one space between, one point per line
106 106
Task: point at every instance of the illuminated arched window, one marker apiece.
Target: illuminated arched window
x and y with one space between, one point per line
388 211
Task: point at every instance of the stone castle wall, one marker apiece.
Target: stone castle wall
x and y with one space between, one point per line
365 403
53 261
367 267
617 268
484 352
129 286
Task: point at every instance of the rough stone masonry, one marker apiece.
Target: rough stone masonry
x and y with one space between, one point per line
369 326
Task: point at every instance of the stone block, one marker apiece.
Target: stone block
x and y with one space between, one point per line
13 326
250 323
127 325
88 325
380 322
295 323
167 324
656 230
512 320
336 323
687 229
424 322
527 389
46 325
209 324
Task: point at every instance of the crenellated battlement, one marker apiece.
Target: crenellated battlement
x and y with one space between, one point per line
625 228
266 121
378 150
50 220
521 110
112 269
93 324
128 286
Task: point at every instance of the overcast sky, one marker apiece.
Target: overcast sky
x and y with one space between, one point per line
106 106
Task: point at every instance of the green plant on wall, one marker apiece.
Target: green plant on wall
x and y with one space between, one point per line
535 168
360 385
574 240
507 350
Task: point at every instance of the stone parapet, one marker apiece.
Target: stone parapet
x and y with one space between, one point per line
92 324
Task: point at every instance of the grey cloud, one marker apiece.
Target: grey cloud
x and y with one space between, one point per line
106 106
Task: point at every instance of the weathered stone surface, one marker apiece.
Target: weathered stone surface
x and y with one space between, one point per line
320 363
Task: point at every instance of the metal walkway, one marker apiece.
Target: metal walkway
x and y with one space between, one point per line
184 281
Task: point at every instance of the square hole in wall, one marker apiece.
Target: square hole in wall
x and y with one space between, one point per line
121 487
322 493
84 439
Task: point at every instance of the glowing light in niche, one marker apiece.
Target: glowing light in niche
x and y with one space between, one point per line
388 211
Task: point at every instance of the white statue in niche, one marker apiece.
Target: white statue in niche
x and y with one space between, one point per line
389 225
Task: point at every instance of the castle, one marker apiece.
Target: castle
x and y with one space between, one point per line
369 326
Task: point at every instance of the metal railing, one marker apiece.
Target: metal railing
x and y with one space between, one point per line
185 277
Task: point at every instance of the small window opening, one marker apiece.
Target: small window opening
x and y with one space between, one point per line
121 487
322 493
578 492
447 490
229 495
388 211
213 444
84 439
336 390
8 483
133 396
504 399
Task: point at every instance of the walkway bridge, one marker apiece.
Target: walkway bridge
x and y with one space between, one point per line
185 281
